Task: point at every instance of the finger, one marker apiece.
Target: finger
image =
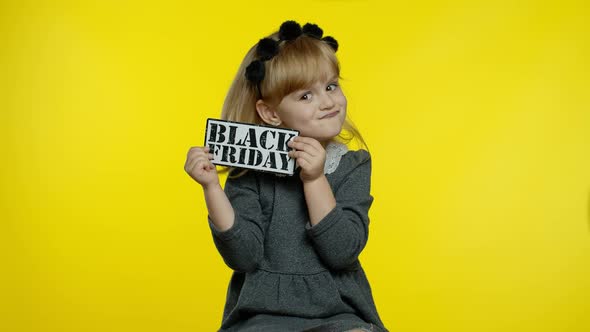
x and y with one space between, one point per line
308 140
190 163
305 146
304 155
313 144
297 153
199 165
304 164
195 151
193 163
204 166
198 155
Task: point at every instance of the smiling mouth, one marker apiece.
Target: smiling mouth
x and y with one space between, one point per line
330 115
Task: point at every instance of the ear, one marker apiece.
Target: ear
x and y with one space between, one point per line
267 113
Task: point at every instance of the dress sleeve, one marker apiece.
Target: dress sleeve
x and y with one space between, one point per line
242 245
342 234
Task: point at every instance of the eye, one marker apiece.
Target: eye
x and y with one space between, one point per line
306 96
332 86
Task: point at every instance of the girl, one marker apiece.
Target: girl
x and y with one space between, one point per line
293 242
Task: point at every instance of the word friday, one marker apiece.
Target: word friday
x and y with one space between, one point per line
250 146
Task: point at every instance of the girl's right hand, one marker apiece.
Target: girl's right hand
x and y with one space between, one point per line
198 165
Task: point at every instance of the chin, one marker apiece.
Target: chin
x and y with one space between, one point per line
331 135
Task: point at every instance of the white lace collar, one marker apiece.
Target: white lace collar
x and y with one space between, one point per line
334 152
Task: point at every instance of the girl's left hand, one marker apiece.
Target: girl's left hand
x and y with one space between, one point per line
310 155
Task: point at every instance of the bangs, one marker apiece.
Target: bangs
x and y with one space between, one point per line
299 65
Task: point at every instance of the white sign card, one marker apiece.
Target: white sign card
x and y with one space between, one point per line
250 146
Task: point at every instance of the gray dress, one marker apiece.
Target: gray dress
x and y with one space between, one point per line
289 276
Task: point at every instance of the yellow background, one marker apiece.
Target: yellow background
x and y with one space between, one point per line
477 114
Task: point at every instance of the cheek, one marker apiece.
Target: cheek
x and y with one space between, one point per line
342 100
343 103
296 119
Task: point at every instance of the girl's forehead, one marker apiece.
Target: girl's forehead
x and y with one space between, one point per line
324 79
319 79
320 75
297 73
327 74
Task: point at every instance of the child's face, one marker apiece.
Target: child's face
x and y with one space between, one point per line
317 112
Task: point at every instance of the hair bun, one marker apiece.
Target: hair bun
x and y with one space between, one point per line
312 30
332 42
255 71
289 30
267 48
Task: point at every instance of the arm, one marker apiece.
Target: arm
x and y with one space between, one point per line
339 217
310 155
198 165
221 213
242 244
319 198
234 214
342 234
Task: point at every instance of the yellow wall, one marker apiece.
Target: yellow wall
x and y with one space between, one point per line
477 114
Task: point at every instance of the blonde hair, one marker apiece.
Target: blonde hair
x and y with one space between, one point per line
298 64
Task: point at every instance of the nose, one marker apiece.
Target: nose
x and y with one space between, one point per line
326 102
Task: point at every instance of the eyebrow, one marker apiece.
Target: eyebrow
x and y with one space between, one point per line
333 78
